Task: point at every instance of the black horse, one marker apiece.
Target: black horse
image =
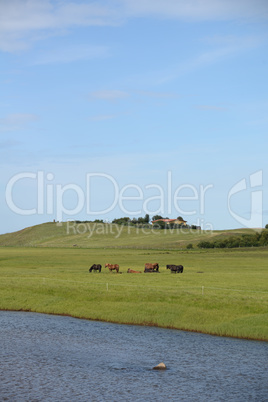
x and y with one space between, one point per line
175 268
95 267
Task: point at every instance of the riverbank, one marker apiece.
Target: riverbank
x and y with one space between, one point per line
219 293
145 324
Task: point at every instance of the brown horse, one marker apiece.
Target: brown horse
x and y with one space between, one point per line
112 267
154 267
131 271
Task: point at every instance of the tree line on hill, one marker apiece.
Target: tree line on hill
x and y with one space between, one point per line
122 221
164 225
145 222
246 240
132 222
95 221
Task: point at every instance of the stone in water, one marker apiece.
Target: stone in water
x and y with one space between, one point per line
160 366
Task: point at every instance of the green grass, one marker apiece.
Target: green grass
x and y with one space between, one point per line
222 292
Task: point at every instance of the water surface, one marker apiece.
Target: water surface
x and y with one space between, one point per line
52 358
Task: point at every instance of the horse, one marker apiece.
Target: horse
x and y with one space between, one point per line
112 267
180 269
175 268
95 267
131 271
150 270
154 267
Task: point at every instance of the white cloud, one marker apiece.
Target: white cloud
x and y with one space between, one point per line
70 54
113 95
197 9
158 95
23 22
8 144
207 58
25 15
16 121
109 95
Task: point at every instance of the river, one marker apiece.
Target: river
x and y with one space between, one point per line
54 358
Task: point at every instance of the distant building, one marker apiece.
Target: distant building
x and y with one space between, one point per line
173 221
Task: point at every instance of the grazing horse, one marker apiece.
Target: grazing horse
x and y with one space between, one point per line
150 270
131 271
175 268
112 267
154 267
151 267
95 267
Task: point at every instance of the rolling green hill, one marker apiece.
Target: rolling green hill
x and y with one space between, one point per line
105 235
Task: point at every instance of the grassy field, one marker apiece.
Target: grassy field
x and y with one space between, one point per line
221 292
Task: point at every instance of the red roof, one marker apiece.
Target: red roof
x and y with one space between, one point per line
168 220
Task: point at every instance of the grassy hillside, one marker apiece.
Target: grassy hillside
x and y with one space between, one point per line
95 235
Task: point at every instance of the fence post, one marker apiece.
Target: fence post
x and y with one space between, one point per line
202 290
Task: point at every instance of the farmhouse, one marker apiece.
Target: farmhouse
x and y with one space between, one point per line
169 221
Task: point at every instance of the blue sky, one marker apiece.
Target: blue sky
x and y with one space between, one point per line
164 102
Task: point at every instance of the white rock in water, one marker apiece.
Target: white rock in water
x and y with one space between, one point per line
160 366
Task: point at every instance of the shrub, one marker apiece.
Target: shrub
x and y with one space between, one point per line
246 240
205 244
264 238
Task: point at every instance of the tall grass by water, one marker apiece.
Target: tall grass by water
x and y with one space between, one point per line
221 292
